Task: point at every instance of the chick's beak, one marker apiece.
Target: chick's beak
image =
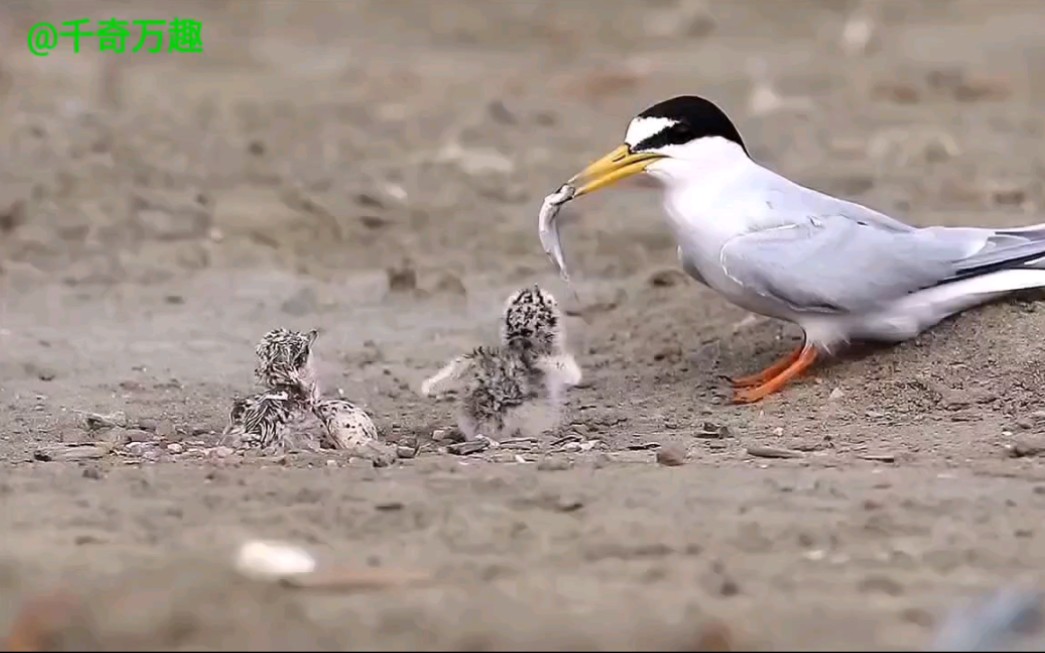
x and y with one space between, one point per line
619 164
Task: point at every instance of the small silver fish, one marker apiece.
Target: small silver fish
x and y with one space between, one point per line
548 228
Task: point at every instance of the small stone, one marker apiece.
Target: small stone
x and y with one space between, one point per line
917 616
671 456
378 453
402 278
440 434
554 464
710 430
96 421
175 448
165 429
879 457
223 452
773 452
568 503
136 435
40 372
881 585
954 399
468 448
717 581
151 455
644 446
1027 447
836 394
331 463
115 437
62 453
729 587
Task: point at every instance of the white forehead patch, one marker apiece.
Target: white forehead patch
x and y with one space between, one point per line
642 128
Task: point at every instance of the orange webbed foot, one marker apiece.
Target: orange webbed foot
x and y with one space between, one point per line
805 358
769 373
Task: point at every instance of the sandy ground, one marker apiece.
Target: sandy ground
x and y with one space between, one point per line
373 170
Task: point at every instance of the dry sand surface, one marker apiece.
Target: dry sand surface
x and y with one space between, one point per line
373 169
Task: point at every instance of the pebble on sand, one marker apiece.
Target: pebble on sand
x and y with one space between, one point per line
671 456
273 560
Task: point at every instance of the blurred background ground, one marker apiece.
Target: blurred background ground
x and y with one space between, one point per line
374 169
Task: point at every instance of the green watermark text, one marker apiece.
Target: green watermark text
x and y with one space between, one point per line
115 35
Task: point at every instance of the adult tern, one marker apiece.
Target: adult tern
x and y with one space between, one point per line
839 270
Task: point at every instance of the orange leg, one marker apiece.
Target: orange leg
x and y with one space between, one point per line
770 372
804 361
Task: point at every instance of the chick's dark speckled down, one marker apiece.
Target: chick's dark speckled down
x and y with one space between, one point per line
261 420
532 320
503 378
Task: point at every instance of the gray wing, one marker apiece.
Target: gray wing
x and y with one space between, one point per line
837 264
787 198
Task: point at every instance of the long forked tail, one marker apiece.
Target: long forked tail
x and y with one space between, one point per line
1031 231
961 294
1015 262
1013 249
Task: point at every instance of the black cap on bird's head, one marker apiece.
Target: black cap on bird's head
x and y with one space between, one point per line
652 134
681 120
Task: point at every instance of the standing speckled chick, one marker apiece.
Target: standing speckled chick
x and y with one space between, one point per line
532 321
515 387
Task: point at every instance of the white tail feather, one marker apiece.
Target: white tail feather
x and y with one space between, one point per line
957 296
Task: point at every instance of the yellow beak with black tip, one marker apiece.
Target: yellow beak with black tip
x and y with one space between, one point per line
615 166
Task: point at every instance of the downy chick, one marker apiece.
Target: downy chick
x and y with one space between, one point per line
515 387
285 362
